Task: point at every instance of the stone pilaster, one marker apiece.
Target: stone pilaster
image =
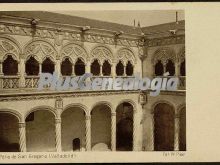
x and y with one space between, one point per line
58 134
88 132
176 133
113 131
22 137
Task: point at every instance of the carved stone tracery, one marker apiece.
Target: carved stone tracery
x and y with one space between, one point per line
126 55
164 54
74 51
102 53
8 47
41 50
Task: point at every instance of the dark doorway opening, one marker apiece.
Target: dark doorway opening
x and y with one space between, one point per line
76 144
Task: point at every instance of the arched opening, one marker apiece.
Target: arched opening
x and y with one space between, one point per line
9 133
182 139
101 128
76 144
95 68
182 69
106 68
124 129
129 69
40 131
170 67
119 69
159 68
10 66
73 127
66 67
48 66
32 67
79 67
163 127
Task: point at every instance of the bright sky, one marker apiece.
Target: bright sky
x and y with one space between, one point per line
146 18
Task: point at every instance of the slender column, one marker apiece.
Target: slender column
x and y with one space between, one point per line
88 67
57 67
176 133
22 72
124 71
101 74
73 70
1 72
164 68
113 131
113 70
135 138
88 132
22 137
40 68
58 134
151 132
1 75
177 69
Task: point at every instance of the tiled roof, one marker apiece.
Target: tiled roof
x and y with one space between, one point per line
73 20
80 21
164 27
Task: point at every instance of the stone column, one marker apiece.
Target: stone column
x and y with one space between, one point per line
73 70
57 67
124 71
113 131
135 127
58 134
88 132
176 133
1 75
113 70
101 74
40 68
22 72
164 68
22 137
88 67
1 70
177 69
151 132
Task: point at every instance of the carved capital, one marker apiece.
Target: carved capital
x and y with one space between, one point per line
21 125
88 117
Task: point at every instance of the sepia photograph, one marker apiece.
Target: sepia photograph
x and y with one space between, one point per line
78 81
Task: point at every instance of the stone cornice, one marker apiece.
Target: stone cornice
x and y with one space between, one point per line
22 26
178 39
54 95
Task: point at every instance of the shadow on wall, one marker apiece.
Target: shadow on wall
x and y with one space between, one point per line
5 146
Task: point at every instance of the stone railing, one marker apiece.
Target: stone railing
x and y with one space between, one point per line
181 84
9 82
31 81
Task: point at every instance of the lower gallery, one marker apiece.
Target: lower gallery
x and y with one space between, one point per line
53 121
